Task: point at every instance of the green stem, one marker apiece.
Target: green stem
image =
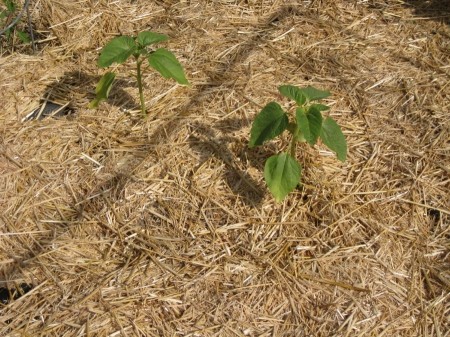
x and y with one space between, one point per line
292 147
294 130
139 81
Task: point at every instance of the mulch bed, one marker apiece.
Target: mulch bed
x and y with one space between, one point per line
115 225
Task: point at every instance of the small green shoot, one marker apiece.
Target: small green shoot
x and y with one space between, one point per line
282 172
7 16
121 48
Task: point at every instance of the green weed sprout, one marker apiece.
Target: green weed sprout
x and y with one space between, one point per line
9 18
282 172
119 49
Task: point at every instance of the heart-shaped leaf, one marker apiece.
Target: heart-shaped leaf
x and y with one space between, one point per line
148 38
167 65
292 92
268 124
102 90
282 174
118 50
332 136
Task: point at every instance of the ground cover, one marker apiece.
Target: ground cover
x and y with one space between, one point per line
117 225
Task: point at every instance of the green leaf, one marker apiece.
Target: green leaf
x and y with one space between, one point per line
309 123
282 174
148 38
103 88
292 92
10 5
118 50
24 37
268 124
299 137
332 136
313 94
292 128
303 123
167 65
320 107
315 123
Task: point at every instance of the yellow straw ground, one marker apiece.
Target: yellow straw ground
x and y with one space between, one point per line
164 226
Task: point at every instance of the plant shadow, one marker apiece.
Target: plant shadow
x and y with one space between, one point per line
438 10
74 87
240 182
210 142
204 140
256 157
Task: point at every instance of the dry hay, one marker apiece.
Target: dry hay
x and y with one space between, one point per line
163 226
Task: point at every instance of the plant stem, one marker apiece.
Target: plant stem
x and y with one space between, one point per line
292 147
293 140
139 81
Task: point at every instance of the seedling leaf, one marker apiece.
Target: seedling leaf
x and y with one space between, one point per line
315 123
282 174
313 94
167 65
303 124
103 88
118 50
24 37
292 92
148 38
268 124
292 128
309 124
332 136
10 5
320 107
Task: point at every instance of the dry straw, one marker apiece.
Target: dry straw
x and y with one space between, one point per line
163 227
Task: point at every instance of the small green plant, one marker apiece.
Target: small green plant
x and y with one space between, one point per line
9 20
119 49
282 172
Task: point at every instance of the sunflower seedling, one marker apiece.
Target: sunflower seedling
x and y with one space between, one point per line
119 49
282 172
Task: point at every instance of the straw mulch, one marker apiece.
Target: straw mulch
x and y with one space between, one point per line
164 227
